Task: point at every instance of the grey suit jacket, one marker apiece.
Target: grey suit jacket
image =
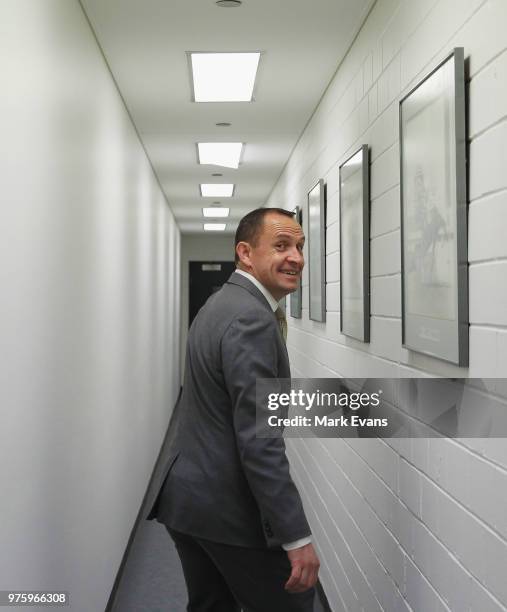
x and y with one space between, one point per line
225 484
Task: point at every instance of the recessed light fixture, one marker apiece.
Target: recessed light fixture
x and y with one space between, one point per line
228 3
226 154
223 124
217 190
214 227
215 211
224 77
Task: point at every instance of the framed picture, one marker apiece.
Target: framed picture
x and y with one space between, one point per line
317 251
434 268
355 246
296 304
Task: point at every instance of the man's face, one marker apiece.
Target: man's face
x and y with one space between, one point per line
277 259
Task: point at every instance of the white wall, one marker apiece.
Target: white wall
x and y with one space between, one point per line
207 247
407 525
89 270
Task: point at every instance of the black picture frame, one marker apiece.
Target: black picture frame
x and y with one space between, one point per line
296 297
317 251
355 245
433 189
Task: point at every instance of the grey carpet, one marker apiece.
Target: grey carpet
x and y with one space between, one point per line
152 580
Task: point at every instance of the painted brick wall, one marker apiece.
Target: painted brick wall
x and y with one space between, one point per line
407 524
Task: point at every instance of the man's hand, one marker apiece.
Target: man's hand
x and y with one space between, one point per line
305 569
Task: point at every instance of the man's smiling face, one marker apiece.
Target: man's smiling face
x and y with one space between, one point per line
276 259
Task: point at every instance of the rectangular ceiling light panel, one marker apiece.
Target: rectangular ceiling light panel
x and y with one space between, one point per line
226 154
217 190
215 211
224 77
214 227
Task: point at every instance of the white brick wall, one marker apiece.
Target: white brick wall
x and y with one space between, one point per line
408 524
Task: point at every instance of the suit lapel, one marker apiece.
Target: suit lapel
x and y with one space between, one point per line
242 281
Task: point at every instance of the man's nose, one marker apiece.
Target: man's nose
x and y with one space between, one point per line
297 256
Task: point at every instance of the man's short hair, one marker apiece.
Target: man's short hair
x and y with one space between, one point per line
251 225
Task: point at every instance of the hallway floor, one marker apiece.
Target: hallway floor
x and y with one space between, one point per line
152 579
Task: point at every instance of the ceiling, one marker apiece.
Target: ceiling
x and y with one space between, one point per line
146 42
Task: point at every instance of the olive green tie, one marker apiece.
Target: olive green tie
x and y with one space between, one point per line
282 322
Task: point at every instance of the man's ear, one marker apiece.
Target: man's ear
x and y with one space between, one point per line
243 251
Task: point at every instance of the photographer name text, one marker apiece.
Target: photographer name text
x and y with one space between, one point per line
325 421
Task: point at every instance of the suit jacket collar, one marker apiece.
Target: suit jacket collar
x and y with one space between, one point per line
271 300
242 281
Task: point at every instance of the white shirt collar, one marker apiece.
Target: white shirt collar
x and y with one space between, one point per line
271 300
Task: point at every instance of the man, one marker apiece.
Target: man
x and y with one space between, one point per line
229 502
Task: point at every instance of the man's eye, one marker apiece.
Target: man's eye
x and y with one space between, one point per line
280 245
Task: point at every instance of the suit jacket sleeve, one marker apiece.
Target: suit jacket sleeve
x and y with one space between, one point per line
250 350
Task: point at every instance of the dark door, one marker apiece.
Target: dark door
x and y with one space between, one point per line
204 278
